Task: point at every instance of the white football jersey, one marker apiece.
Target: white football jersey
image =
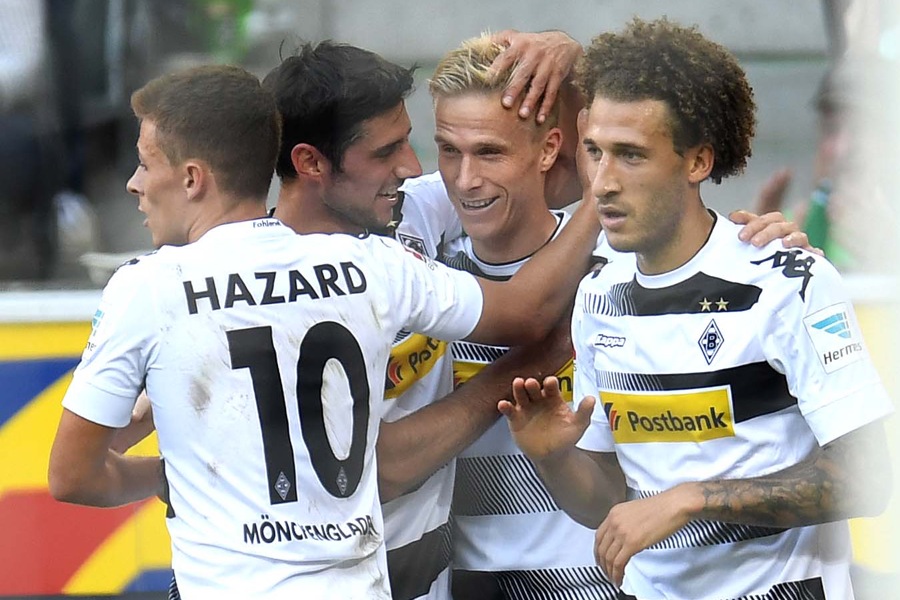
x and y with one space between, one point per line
736 364
505 520
263 353
416 529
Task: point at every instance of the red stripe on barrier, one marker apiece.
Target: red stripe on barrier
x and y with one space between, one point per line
44 542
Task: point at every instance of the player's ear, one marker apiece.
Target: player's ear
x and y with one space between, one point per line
701 161
195 178
309 162
550 148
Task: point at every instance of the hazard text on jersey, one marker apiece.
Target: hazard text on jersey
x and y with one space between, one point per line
275 287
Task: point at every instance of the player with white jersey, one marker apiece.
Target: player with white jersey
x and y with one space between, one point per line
510 538
238 328
337 114
740 422
273 344
365 150
500 497
750 347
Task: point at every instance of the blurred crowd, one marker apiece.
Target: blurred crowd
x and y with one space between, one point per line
67 68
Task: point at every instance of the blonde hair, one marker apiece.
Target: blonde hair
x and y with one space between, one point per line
468 69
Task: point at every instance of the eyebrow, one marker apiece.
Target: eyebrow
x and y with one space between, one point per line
616 145
393 144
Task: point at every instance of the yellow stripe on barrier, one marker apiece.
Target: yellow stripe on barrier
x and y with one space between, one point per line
140 544
20 341
28 435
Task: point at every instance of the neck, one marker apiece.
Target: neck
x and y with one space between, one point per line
229 211
300 208
688 237
517 241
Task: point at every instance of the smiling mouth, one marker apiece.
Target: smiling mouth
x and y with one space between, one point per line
477 204
391 196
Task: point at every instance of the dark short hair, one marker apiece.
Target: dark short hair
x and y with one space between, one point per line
706 90
326 91
220 114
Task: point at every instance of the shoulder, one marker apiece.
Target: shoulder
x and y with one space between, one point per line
428 184
429 218
141 268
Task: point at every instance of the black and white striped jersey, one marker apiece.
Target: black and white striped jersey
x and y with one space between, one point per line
736 364
506 523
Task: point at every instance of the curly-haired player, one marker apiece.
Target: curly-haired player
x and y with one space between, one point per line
741 414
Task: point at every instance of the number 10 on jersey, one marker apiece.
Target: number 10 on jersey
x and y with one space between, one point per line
253 348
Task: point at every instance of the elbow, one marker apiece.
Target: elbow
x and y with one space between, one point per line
535 332
388 491
392 485
64 487
73 486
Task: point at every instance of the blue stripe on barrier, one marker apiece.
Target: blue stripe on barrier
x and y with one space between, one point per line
22 380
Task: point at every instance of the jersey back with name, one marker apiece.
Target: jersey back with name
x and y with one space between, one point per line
263 354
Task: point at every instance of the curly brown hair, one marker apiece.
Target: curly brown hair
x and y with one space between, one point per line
706 90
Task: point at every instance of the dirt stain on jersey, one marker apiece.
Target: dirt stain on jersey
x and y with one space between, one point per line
200 394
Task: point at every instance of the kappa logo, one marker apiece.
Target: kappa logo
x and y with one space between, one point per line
608 341
836 324
793 264
597 264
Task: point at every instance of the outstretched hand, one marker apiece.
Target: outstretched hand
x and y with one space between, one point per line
543 62
759 230
540 420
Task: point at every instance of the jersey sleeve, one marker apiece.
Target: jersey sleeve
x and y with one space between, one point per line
114 363
814 338
597 437
431 298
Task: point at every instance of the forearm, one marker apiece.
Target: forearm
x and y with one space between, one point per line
412 448
582 487
550 278
119 480
83 469
543 289
846 479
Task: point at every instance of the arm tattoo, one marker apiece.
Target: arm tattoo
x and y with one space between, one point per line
836 482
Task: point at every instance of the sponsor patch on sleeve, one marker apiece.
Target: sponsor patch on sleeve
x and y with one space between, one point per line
835 337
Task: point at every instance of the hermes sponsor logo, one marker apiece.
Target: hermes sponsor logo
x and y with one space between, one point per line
834 337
